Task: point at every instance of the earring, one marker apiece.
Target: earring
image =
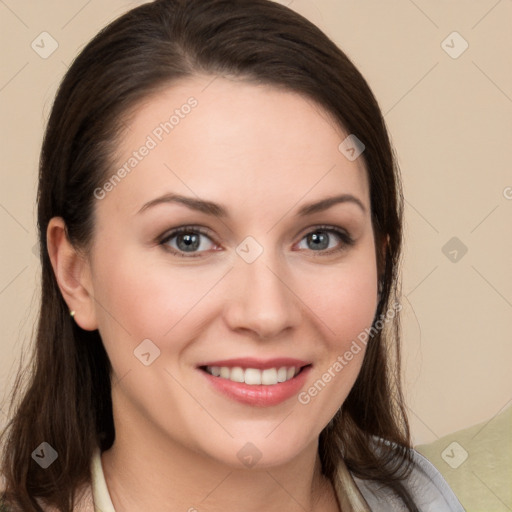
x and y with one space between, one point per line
72 313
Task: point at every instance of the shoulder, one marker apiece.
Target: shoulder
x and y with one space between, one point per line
83 501
425 484
3 506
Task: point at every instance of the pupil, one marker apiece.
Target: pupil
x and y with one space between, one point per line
320 241
190 242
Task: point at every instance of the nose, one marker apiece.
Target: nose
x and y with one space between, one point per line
262 298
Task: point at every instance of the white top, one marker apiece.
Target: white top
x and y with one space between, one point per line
430 491
100 494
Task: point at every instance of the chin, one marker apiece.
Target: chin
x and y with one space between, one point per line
260 450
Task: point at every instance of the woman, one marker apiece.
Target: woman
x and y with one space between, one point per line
220 224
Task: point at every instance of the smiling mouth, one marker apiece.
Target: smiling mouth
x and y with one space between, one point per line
255 376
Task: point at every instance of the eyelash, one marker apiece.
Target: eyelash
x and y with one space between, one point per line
346 239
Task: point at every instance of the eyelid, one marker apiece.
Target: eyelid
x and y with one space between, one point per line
184 229
324 227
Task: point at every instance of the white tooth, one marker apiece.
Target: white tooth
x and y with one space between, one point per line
237 374
269 376
252 376
281 374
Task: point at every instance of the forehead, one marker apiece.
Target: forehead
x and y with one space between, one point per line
217 138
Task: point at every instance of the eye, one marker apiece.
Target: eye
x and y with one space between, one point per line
323 240
191 241
187 240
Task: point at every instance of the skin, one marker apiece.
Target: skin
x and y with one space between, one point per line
262 153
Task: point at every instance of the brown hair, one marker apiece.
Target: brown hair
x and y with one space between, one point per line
67 400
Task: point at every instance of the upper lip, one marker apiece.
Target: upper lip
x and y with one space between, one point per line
262 364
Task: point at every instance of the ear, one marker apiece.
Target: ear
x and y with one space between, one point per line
72 271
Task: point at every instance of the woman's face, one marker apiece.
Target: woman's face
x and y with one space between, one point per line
259 279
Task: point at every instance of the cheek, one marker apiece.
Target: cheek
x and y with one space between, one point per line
141 297
351 308
344 299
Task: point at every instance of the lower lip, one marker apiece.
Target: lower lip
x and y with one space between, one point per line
259 395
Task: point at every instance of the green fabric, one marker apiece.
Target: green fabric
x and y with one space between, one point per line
477 463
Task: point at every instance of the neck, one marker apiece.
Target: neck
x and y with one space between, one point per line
151 472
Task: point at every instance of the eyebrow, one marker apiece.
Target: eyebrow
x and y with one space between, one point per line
217 210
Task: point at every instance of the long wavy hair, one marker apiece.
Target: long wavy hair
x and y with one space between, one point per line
63 396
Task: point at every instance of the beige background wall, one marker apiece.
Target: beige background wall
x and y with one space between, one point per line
451 123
